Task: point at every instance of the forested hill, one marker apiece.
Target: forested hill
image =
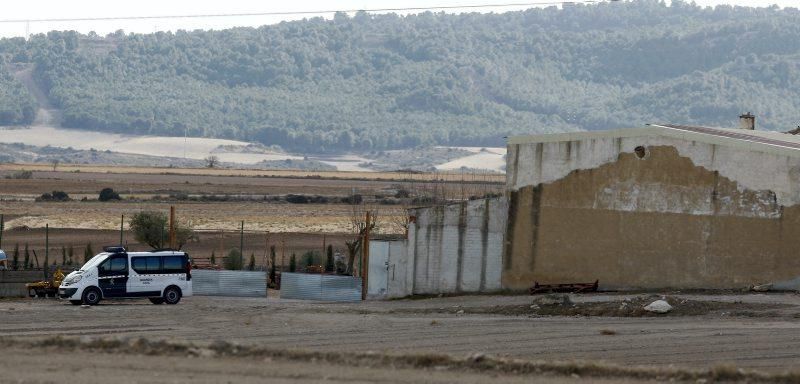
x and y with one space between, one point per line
385 81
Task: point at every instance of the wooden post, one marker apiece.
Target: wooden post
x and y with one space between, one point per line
365 257
121 225
172 227
2 227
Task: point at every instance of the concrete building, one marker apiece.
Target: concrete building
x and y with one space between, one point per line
660 206
654 207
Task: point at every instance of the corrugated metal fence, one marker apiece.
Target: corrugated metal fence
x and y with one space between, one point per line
229 283
306 286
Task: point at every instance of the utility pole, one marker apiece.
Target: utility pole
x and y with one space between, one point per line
241 245
365 257
172 227
121 224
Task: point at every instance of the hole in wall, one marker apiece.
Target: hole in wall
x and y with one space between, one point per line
640 151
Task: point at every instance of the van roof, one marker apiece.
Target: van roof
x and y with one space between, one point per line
151 253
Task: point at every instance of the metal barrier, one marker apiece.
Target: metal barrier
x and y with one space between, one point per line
306 286
229 283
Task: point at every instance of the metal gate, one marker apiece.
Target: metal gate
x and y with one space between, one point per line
305 286
229 283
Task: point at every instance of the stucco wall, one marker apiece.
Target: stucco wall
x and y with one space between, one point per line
456 248
688 215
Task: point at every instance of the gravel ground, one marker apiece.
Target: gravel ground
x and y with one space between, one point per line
762 337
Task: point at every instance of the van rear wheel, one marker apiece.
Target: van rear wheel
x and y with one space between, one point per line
91 296
172 295
157 300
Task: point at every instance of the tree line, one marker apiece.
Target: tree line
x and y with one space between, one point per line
372 82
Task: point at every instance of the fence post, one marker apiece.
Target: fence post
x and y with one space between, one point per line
121 224
365 258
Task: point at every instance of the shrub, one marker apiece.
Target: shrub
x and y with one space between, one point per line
22 175
329 264
353 199
15 258
88 253
251 266
107 194
54 196
233 261
308 258
150 227
297 199
272 268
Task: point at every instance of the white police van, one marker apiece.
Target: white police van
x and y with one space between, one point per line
163 276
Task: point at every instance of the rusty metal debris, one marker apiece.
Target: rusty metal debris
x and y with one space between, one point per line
568 288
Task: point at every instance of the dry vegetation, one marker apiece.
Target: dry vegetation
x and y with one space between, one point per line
296 211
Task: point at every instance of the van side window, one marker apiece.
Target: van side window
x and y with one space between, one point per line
174 264
146 265
114 265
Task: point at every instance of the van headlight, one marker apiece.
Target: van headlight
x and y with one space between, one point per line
73 279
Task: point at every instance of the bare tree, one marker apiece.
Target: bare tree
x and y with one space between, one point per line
212 161
54 163
359 227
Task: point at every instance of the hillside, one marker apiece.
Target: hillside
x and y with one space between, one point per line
374 82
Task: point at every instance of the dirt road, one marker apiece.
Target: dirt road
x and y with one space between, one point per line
763 340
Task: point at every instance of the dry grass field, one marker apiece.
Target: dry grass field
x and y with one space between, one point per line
213 201
453 176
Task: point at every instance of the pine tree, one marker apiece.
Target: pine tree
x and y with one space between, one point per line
63 255
329 265
293 263
251 266
27 263
213 258
46 263
71 255
88 253
15 258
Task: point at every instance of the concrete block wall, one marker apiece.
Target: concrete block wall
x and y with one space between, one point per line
456 248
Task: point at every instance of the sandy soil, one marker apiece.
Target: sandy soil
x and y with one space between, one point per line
24 365
492 159
766 344
258 216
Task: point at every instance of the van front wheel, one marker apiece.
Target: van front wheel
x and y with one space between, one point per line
91 296
172 295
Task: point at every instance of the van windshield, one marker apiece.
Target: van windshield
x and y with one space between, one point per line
93 262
